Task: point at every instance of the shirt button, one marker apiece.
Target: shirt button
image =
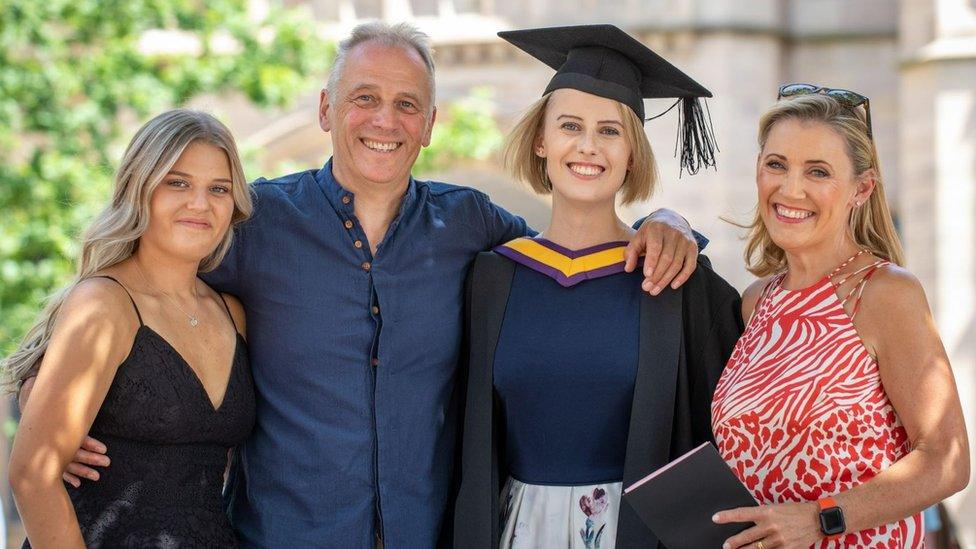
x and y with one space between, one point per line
348 224
346 200
366 266
376 362
358 243
376 310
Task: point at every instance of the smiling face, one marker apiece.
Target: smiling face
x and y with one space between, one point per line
807 186
190 210
585 146
382 116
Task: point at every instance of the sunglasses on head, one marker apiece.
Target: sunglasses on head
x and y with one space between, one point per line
846 98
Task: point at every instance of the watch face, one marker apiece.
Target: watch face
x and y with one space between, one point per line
832 521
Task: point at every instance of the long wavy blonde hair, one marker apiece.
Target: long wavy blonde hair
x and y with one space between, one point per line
115 233
870 225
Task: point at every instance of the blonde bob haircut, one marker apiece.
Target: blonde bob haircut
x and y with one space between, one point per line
114 235
529 168
870 225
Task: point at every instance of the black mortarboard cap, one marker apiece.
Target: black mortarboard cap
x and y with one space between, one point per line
605 61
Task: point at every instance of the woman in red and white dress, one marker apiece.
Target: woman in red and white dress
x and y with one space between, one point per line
838 409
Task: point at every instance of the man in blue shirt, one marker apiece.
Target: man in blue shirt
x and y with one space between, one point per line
352 279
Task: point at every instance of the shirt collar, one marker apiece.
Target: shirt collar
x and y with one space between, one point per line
335 192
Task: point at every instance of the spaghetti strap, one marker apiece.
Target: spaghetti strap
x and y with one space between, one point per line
859 287
840 267
126 290
861 284
857 272
227 308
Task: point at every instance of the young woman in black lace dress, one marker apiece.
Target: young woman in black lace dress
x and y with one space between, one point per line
143 355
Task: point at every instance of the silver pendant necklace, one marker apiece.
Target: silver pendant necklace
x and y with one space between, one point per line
193 320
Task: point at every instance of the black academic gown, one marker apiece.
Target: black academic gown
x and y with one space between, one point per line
686 337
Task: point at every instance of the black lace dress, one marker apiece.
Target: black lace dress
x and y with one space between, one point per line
168 445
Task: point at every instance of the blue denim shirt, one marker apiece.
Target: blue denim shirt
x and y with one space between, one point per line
354 359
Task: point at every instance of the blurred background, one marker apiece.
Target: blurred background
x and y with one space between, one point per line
77 77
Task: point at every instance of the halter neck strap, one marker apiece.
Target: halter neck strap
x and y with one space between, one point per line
859 253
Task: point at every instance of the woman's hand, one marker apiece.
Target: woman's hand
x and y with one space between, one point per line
782 525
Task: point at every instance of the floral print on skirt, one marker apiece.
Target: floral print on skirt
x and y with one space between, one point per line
557 517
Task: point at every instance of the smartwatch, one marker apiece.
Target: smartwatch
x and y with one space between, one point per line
831 519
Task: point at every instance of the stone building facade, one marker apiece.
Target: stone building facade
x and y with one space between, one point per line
915 59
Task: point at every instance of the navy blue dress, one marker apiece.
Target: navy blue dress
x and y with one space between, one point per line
548 370
564 374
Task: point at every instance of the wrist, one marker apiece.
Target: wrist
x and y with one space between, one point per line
813 513
830 518
676 219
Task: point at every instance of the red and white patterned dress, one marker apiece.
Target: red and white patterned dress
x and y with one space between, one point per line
800 413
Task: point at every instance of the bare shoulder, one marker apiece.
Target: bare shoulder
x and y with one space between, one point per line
95 325
100 301
897 325
236 311
892 288
750 297
893 308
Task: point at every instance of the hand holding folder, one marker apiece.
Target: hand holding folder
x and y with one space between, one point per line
678 500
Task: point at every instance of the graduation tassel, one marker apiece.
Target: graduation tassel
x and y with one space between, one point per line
696 137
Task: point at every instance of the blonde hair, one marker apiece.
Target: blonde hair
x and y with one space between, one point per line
114 235
528 167
871 225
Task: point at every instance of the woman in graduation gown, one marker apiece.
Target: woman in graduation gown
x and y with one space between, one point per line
578 383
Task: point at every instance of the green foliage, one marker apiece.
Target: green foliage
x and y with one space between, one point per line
74 73
465 129
72 70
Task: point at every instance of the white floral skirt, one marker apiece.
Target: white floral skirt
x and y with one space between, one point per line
556 517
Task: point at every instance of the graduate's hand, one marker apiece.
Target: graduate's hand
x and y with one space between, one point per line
91 454
778 526
669 248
